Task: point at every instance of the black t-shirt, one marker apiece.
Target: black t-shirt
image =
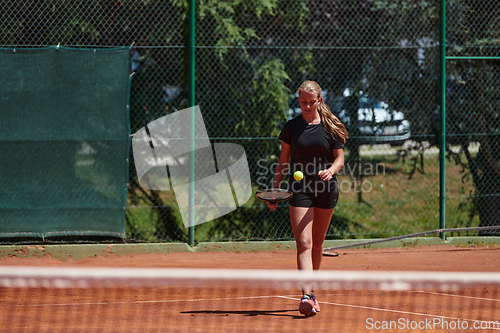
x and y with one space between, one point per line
311 151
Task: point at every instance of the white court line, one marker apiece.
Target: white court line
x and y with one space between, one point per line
471 297
141 302
425 292
290 297
390 310
293 297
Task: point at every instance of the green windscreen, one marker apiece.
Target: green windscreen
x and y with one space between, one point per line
64 141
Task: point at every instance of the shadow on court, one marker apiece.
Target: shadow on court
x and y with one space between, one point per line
248 313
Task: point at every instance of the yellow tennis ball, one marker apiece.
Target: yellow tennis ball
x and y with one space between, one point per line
298 175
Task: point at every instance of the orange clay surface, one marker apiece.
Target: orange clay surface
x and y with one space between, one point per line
197 309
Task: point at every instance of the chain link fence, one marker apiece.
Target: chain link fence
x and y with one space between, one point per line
472 117
377 63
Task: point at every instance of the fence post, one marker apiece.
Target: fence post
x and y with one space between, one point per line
442 124
191 98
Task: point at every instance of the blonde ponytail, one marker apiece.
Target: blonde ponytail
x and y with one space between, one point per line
329 120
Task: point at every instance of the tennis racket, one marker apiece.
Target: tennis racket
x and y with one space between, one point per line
273 195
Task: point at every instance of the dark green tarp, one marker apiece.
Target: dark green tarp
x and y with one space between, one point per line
64 141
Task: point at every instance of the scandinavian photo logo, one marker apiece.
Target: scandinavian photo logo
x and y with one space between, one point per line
169 156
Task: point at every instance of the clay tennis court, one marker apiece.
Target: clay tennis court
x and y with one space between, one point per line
240 309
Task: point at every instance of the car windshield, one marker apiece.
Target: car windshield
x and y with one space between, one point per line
368 103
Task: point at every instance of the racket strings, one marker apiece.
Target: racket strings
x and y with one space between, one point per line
274 196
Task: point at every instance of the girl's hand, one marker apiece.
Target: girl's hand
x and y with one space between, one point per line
272 208
325 174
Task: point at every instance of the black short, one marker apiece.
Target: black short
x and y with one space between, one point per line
324 200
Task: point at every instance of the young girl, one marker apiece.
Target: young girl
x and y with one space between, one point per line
313 144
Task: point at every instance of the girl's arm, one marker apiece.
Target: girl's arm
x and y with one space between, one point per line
282 166
337 164
281 170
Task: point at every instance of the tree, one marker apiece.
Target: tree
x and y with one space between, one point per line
233 79
252 55
473 100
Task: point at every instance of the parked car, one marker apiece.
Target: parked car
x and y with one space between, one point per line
377 123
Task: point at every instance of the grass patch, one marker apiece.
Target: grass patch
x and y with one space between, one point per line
475 244
402 199
395 196
410 245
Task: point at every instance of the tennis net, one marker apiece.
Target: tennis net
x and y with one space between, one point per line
38 299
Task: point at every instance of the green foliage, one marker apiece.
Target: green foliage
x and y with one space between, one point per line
251 55
240 94
472 102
